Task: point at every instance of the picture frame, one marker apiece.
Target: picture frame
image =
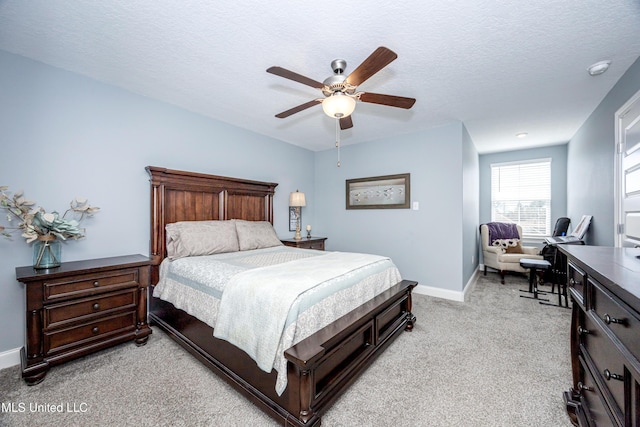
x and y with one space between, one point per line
292 218
379 192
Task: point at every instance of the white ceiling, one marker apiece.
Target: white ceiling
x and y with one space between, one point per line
500 67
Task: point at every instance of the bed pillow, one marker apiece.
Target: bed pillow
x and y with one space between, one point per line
194 238
256 235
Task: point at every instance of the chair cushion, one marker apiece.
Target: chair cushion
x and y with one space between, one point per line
510 258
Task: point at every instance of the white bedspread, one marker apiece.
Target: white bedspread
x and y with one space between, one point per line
257 305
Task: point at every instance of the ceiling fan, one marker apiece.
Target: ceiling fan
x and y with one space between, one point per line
340 90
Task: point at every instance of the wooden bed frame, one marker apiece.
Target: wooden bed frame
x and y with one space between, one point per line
321 367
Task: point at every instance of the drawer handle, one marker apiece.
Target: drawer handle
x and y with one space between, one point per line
96 306
95 330
583 387
609 320
609 376
572 282
583 331
96 283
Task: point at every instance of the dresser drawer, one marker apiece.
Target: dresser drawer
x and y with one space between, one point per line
57 315
576 279
64 339
608 363
90 284
591 399
618 319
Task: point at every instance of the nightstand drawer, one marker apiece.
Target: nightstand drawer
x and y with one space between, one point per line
78 310
318 245
63 339
90 284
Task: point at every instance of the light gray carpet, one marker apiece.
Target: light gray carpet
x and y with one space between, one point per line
496 360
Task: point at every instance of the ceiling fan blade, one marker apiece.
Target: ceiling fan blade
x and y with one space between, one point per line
279 71
379 59
390 100
346 122
298 108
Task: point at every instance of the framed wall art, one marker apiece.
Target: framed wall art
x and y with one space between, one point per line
379 192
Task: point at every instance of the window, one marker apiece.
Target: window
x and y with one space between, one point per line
521 193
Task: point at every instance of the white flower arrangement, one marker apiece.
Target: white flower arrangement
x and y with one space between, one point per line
36 222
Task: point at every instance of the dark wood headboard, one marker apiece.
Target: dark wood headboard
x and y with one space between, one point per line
189 196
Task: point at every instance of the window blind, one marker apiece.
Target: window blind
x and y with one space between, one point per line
521 194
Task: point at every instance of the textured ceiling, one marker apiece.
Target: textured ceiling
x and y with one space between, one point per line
500 67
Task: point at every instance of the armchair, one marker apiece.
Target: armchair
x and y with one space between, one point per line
503 262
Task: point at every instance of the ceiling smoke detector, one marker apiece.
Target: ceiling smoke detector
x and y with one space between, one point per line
598 68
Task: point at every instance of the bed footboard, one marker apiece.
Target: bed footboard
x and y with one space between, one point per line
326 363
320 368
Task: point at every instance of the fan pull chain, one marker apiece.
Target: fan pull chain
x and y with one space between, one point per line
338 138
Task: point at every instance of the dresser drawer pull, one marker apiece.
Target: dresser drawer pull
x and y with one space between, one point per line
95 330
609 376
583 387
583 331
96 306
96 283
609 320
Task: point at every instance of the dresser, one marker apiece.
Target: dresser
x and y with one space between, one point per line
604 284
81 307
306 243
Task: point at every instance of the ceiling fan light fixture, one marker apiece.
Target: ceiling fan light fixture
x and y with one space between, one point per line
338 105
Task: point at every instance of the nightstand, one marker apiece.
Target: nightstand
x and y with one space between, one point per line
82 307
304 243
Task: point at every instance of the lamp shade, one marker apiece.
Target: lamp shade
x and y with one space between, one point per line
296 199
338 105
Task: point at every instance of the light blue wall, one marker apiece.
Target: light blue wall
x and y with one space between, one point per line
558 155
470 207
590 168
64 136
426 244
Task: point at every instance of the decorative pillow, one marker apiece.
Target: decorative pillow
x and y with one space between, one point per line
256 235
510 246
194 238
517 249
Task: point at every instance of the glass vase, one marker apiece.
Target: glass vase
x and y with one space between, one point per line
47 252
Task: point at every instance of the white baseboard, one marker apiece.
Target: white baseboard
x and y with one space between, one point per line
459 296
10 358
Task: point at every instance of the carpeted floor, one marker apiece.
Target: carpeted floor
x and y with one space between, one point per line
496 360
